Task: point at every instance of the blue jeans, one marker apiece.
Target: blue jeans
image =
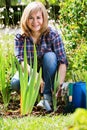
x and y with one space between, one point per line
49 67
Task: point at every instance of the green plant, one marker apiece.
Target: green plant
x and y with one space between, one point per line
74 19
5 91
77 61
56 84
7 66
79 118
73 22
29 89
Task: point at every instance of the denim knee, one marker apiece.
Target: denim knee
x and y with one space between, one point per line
15 82
15 85
49 68
50 62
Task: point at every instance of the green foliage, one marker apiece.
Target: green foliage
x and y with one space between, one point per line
5 72
73 21
56 84
29 89
50 2
77 61
2 79
73 16
9 2
7 66
2 2
80 120
14 2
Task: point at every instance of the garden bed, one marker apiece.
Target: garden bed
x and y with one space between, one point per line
13 109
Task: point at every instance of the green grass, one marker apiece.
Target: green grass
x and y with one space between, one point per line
75 121
36 123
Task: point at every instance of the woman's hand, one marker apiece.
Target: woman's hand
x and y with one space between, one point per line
58 94
42 86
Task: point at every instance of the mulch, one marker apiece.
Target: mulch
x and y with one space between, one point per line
13 109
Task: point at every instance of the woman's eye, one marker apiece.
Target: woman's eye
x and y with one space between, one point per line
30 17
38 17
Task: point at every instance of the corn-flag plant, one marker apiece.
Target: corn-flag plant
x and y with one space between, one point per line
29 88
4 78
56 84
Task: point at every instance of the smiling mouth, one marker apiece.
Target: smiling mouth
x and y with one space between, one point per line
35 26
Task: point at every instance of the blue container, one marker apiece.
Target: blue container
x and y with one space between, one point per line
79 95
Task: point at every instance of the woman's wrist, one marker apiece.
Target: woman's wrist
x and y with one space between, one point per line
60 85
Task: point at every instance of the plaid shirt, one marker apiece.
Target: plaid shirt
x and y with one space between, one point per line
50 42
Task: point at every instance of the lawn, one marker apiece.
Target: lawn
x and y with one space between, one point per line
75 121
37 123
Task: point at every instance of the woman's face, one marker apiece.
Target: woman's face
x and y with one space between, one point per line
35 21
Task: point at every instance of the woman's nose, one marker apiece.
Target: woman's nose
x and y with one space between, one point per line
34 20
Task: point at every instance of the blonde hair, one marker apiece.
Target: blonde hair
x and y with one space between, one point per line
33 7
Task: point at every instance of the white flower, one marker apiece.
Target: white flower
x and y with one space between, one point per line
11 10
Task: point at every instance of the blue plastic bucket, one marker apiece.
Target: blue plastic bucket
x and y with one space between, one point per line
79 95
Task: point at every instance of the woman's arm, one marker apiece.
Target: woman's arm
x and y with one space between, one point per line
62 74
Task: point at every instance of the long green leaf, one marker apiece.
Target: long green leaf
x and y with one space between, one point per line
56 84
36 90
23 82
4 89
29 89
33 77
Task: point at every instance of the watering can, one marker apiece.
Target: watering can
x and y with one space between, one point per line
77 94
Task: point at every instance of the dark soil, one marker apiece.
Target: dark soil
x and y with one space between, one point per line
13 109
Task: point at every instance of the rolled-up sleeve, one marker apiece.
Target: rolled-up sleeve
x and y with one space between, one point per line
19 47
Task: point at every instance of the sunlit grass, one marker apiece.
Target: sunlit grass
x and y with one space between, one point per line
37 123
75 121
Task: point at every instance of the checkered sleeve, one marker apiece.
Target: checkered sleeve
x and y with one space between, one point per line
19 47
58 47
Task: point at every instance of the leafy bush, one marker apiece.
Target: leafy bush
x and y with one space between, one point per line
80 119
7 68
73 17
73 21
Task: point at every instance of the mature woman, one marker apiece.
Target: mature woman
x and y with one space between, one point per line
50 48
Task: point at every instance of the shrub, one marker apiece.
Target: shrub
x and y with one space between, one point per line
73 21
